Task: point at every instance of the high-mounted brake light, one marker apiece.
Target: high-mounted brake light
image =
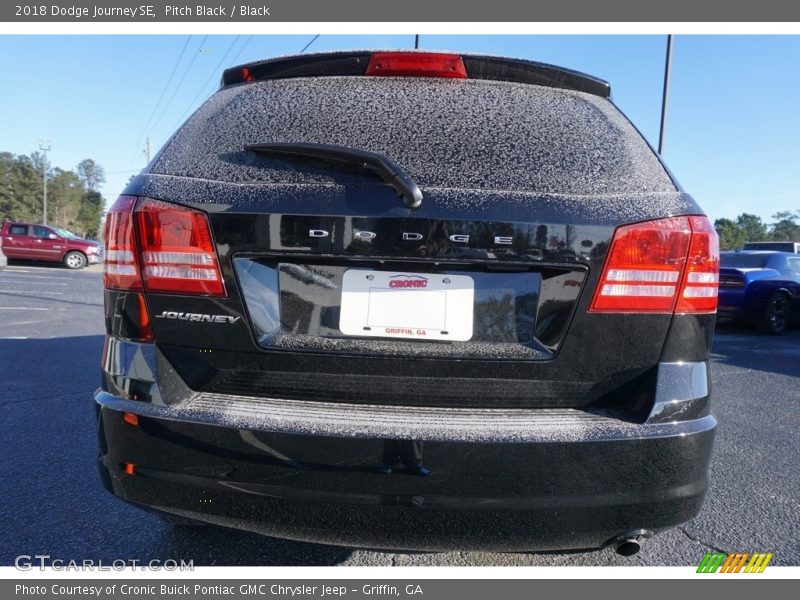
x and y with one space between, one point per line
664 266
160 247
416 64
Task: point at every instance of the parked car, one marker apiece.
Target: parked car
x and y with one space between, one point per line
316 332
41 242
774 246
760 287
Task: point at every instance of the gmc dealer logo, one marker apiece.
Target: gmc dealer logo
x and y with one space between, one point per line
407 281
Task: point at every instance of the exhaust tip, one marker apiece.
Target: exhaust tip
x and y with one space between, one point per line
627 547
630 542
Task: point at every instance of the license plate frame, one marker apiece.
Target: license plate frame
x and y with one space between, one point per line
407 305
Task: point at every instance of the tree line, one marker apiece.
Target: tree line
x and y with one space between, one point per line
733 233
74 201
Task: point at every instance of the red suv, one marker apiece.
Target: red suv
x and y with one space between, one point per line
41 242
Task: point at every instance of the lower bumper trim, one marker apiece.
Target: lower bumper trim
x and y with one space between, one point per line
557 490
404 423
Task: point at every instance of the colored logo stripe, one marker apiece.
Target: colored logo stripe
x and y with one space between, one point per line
733 563
758 563
711 562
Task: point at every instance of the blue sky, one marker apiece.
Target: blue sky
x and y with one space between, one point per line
733 129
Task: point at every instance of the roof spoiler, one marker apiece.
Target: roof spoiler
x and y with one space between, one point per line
358 63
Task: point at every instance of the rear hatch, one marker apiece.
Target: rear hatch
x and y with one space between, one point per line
336 290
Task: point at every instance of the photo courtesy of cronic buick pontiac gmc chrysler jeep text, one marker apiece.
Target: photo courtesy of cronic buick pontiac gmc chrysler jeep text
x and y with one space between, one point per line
406 300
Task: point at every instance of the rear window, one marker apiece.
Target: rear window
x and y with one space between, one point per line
66 233
744 261
444 133
18 230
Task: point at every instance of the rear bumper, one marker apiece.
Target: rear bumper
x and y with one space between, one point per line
500 480
734 304
725 314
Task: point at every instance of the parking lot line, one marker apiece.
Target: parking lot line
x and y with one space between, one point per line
21 308
6 276
19 292
4 280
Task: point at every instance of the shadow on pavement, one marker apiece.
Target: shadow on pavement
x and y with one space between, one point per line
227 547
50 264
15 262
53 501
741 346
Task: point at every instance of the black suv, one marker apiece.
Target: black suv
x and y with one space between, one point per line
407 300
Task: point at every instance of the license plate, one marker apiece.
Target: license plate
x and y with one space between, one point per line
407 305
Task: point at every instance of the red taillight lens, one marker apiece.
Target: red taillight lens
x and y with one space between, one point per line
176 250
416 64
701 281
644 267
120 266
160 247
647 268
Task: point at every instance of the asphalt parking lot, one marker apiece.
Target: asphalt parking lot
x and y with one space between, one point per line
51 338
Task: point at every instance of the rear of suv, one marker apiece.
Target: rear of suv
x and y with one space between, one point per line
406 300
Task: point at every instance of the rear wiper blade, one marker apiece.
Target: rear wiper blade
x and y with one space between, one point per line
382 166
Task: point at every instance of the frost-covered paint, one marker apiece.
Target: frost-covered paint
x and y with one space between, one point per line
552 428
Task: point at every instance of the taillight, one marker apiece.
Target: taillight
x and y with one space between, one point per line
664 266
416 64
160 247
701 281
176 250
120 266
731 281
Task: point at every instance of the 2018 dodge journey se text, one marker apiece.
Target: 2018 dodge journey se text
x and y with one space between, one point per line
407 300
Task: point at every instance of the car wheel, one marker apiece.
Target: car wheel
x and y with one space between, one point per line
775 319
75 260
